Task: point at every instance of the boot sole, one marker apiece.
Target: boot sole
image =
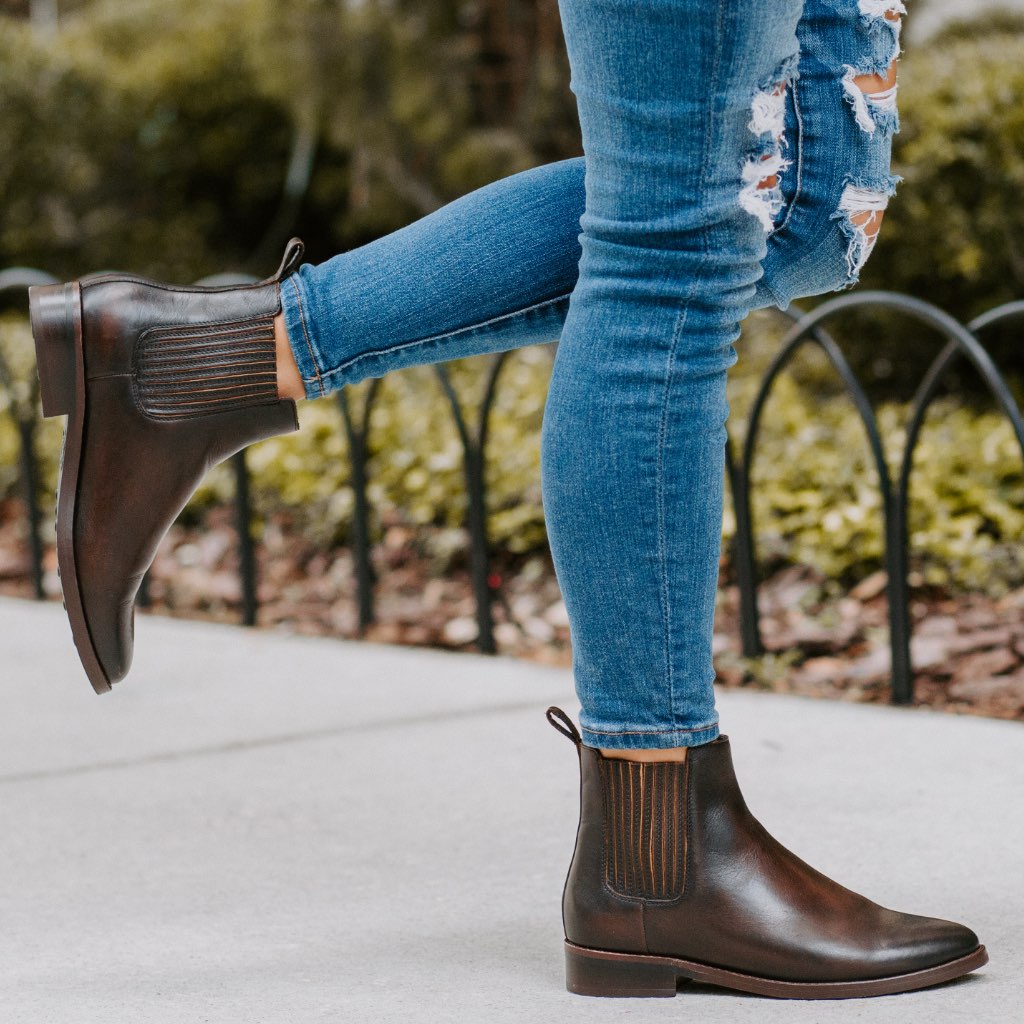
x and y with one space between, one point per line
55 312
593 972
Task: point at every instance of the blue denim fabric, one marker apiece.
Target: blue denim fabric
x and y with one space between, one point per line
731 162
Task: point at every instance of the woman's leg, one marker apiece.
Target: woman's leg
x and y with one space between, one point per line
634 432
672 877
494 269
806 155
840 119
490 271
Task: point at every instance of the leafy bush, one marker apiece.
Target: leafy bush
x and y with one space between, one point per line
165 157
815 492
157 136
178 139
816 497
953 235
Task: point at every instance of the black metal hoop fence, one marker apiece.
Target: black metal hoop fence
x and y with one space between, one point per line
807 329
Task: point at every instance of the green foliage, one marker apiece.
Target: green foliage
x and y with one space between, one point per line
161 156
817 501
815 489
159 136
954 234
178 139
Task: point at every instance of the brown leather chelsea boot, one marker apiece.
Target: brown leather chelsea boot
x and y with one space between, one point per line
159 383
673 878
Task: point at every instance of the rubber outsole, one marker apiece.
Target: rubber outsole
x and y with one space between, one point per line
55 312
595 972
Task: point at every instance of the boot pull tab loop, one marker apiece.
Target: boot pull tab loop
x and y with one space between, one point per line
293 253
563 723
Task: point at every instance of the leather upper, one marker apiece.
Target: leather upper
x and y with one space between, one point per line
743 901
138 469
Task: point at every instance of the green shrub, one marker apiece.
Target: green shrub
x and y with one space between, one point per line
816 497
156 136
815 491
954 233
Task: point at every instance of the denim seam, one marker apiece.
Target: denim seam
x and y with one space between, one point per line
305 332
773 293
666 608
469 328
799 145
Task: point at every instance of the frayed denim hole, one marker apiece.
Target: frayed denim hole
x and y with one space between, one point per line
760 192
875 108
871 110
877 16
765 202
860 211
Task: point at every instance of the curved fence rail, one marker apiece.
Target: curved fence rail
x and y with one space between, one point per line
807 329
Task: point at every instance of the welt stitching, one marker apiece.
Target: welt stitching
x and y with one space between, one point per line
261 323
168 361
170 397
268 368
640 805
176 349
253 320
196 413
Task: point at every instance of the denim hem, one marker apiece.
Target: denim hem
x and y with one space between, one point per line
651 739
295 306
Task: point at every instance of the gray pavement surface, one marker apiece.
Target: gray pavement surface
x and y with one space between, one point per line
260 828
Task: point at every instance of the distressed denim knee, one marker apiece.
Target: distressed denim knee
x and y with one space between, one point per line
736 156
840 116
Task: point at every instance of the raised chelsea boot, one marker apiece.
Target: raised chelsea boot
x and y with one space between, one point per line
159 383
673 878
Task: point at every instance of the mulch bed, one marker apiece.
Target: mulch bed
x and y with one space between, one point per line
967 650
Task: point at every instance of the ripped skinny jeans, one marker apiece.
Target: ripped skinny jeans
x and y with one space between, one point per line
736 156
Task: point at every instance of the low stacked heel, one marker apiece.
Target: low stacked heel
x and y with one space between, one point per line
56 314
591 972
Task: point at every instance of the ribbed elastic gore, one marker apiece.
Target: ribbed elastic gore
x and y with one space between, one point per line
644 827
200 369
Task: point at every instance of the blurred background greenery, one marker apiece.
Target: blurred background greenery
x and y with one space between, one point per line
179 138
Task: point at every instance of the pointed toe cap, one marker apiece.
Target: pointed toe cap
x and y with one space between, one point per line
931 941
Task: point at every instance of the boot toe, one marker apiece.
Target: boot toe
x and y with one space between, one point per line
111 627
952 940
933 941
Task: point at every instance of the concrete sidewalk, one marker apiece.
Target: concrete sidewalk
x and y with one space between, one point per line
257 828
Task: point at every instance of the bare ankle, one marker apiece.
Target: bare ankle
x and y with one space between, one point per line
657 754
289 380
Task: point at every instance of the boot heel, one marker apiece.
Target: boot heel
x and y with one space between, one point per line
591 972
55 311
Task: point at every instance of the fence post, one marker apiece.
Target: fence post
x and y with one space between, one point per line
30 489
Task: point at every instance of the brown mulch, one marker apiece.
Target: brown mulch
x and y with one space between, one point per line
967 650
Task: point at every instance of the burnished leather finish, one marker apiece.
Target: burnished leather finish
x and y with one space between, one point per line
160 383
740 900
